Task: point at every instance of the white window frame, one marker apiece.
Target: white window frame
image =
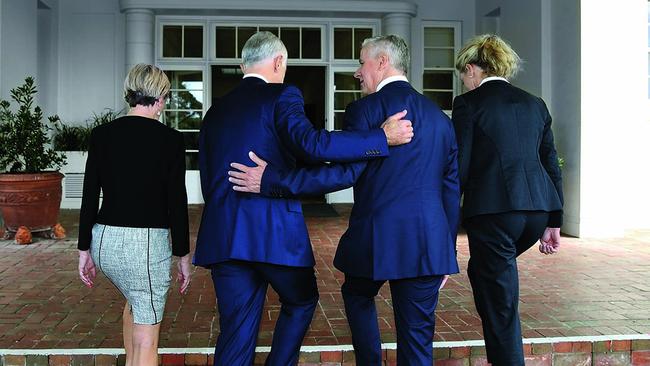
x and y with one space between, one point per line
456 84
266 24
161 23
185 67
374 26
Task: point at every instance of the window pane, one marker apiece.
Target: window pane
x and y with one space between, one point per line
360 34
184 120
438 80
185 79
438 37
225 42
311 46
186 99
342 99
443 99
191 161
345 81
343 43
339 122
170 119
193 46
291 39
190 120
172 39
438 58
243 34
224 79
273 30
191 140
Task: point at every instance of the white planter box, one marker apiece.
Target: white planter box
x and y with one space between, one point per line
74 178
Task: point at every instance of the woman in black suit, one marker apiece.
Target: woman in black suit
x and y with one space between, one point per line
139 165
511 182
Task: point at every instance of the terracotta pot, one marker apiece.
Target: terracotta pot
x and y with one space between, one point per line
30 200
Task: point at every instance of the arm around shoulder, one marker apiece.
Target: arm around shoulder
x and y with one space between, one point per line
321 145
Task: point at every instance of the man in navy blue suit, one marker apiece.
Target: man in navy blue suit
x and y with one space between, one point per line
406 208
250 241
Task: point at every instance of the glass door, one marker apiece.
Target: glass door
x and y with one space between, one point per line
344 89
184 112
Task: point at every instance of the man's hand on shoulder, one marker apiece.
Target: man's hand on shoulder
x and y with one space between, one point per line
398 131
245 178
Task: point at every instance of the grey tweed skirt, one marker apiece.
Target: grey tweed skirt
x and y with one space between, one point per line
138 262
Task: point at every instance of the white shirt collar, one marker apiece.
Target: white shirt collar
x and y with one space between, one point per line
490 78
253 75
390 79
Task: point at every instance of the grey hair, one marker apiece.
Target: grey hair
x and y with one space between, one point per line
261 46
393 46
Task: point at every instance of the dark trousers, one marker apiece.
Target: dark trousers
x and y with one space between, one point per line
495 242
241 289
414 304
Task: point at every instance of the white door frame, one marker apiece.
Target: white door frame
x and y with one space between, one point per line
344 195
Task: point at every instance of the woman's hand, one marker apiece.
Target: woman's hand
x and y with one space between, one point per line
184 274
87 270
549 243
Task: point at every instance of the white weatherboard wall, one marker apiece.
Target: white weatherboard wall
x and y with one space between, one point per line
520 24
18 52
1 45
91 67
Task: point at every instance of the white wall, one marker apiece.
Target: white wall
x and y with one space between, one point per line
614 120
1 33
520 24
565 103
91 58
47 60
18 53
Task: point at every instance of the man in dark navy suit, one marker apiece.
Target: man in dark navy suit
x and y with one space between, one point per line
251 241
406 208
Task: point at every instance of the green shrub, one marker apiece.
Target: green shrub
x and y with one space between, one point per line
25 135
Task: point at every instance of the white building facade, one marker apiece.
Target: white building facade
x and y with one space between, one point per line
79 52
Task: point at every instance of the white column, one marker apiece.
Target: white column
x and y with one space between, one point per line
139 37
398 24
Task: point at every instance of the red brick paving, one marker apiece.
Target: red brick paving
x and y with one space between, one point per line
591 287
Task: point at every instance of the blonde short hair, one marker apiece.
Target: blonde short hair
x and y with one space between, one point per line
144 84
490 53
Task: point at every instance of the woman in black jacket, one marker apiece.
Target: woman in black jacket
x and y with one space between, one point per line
511 182
139 165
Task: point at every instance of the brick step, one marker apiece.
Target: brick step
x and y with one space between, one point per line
562 351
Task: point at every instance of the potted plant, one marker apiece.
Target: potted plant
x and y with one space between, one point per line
30 185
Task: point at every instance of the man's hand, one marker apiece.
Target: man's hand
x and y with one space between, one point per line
398 131
549 243
87 270
184 274
247 179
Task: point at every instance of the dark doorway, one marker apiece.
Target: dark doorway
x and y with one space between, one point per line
309 79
